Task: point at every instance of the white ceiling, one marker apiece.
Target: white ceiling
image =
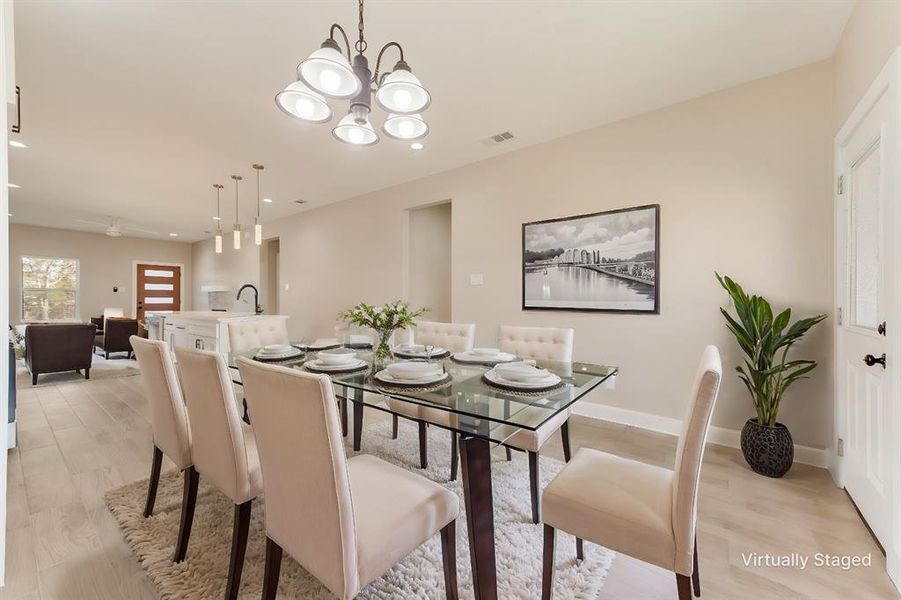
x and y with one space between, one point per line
134 109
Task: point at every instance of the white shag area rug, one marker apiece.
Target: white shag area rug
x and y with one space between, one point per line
101 368
419 575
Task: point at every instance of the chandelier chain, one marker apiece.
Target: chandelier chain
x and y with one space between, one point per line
361 44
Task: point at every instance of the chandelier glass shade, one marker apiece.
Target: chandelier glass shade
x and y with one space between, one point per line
301 102
330 73
218 237
405 127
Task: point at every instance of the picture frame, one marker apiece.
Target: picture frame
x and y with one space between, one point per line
607 261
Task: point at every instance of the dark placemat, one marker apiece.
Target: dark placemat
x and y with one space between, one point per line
485 363
530 392
412 387
444 354
299 356
362 367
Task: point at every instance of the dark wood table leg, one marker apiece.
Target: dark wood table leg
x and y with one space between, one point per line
343 404
358 418
475 455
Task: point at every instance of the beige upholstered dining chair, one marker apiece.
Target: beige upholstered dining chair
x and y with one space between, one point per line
254 333
345 521
455 337
224 450
169 425
644 511
538 343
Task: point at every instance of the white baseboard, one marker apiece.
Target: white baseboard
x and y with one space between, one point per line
722 436
11 436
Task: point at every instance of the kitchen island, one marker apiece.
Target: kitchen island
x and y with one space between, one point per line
200 329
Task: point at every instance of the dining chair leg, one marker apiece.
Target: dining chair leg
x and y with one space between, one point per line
154 480
449 557
272 569
696 574
533 487
509 453
394 423
683 585
580 549
189 499
547 572
239 546
423 445
455 456
564 433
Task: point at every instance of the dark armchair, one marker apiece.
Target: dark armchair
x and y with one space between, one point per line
114 337
57 348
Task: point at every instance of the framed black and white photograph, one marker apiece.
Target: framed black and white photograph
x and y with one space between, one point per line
606 261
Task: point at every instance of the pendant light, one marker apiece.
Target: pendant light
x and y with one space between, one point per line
218 238
257 226
237 231
333 72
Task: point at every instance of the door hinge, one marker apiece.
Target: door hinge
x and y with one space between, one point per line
840 449
841 185
838 316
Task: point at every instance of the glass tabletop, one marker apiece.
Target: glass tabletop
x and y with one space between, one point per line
466 401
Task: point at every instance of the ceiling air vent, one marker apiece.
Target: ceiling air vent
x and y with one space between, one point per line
500 138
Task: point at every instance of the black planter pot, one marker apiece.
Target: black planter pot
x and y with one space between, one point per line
768 450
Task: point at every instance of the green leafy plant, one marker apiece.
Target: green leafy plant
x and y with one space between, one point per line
384 320
766 340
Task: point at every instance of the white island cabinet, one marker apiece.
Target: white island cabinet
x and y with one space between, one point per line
200 329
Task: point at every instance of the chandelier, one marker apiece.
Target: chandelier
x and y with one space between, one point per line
327 73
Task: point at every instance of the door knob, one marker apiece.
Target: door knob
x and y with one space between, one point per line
880 329
872 360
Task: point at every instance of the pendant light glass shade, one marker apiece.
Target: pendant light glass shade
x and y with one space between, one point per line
328 72
301 102
405 127
257 232
402 93
218 241
351 132
237 237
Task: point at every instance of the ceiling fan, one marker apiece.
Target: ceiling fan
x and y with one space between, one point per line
115 227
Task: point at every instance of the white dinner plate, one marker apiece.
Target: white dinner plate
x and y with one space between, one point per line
265 356
349 366
418 351
521 371
469 357
550 381
386 377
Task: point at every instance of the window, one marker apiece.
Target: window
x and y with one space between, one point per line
49 289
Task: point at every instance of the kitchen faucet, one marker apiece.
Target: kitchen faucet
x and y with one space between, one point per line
256 297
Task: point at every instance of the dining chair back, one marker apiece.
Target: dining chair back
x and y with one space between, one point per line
539 343
456 337
258 332
690 455
224 447
168 415
305 475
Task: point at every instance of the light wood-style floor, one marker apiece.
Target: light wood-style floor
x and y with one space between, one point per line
77 440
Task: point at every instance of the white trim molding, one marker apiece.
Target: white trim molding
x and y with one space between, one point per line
721 436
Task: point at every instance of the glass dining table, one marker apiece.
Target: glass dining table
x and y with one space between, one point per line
479 412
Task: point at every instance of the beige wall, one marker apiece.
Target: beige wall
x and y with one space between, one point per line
430 260
104 262
743 180
233 268
871 35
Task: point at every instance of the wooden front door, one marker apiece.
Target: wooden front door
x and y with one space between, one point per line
158 288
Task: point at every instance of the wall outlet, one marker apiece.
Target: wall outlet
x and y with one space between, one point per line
476 279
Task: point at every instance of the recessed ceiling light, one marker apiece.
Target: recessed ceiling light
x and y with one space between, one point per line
13 185
173 235
217 218
17 144
267 199
416 146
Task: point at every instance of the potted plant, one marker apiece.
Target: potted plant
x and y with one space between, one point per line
767 372
384 320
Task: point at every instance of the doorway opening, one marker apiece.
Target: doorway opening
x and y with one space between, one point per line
429 259
269 266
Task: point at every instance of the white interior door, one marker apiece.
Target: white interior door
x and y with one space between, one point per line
868 327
